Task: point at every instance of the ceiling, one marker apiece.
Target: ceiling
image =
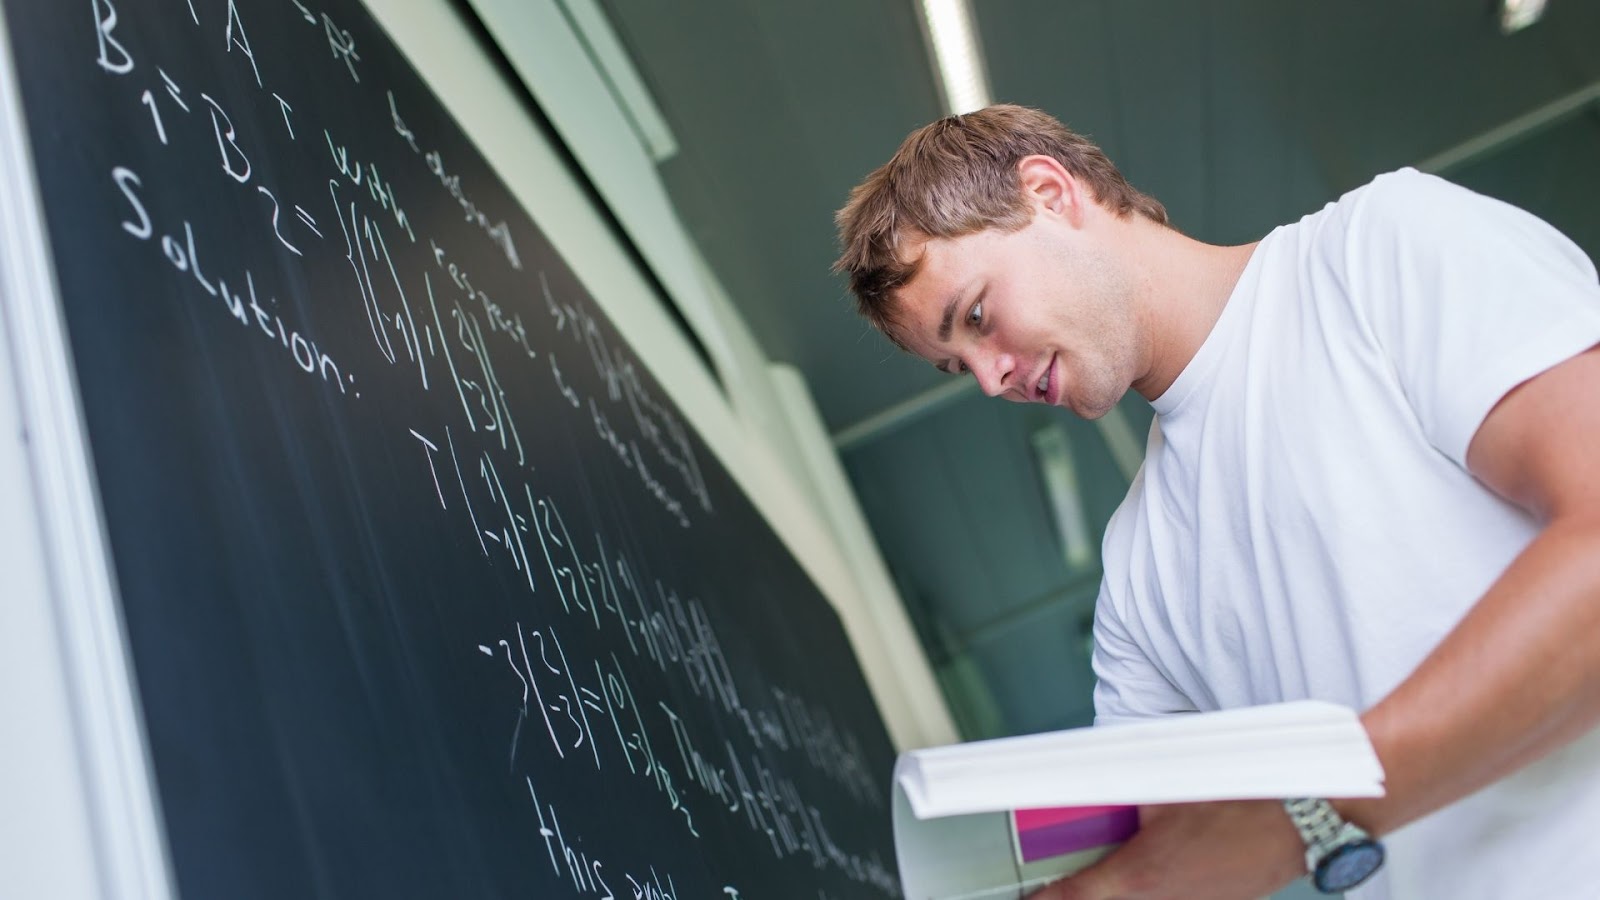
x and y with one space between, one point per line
1238 114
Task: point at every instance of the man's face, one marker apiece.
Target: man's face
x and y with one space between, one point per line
1039 315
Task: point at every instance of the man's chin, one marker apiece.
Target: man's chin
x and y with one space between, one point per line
1086 411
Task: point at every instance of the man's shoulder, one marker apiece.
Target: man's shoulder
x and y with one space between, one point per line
1385 197
1405 215
1404 219
1403 182
1382 210
1411 198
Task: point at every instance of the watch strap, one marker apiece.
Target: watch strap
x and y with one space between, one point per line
1321 828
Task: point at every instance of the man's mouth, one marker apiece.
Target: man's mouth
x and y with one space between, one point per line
1043 387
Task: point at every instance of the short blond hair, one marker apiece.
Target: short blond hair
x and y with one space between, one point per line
957 176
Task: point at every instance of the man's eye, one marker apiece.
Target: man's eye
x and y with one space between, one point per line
961 368
975 315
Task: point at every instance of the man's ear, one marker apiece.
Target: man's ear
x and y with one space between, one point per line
1051 188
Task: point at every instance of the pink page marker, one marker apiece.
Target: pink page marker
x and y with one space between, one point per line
1043 833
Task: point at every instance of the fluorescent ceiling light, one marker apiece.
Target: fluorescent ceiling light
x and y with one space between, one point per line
1516 15
1052 453
954 43
1126 449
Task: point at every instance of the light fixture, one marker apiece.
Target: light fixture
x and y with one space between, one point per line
953 41
1516 15
1127 450
1052 454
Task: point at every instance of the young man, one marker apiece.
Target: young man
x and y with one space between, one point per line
1372 480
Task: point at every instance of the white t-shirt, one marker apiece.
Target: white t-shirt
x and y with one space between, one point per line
1304 525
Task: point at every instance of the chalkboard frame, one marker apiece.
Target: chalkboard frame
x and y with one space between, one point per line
126 848
496 56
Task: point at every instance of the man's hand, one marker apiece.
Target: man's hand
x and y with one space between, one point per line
1235 850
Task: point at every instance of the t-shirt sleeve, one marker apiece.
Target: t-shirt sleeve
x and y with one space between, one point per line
1467 296
1129 686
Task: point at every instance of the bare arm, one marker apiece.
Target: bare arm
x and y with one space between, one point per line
1520 675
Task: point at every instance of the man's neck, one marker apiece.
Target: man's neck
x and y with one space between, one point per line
1183 285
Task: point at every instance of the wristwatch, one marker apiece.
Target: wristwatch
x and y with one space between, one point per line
1339 854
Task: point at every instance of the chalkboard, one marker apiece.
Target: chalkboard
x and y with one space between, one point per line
429 589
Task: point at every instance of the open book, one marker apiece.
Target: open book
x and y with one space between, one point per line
1000 818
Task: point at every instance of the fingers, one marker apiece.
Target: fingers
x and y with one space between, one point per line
1101 881
1075 888
1058 890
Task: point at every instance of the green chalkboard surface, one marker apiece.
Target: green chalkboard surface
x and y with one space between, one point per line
429 589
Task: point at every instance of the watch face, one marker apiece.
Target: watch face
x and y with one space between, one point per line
1348 866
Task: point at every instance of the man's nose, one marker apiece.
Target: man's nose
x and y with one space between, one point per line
995 373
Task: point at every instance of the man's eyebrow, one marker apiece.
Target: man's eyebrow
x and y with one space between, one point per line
949 318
